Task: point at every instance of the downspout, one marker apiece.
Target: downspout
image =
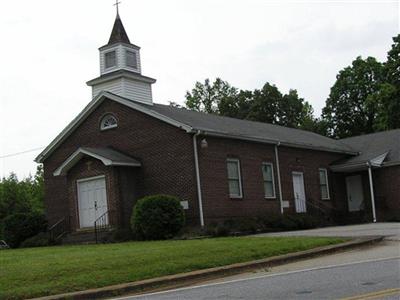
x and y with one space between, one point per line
278 172
371 187
196 166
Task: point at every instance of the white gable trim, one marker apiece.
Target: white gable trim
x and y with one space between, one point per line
77 156
91 107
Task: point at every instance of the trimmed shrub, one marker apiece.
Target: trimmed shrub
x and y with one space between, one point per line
39 240
21 226
157 217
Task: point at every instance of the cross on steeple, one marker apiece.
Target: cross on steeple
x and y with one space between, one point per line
116 5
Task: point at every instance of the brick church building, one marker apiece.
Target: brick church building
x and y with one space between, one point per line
123 146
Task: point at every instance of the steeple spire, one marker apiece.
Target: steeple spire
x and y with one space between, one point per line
121 69
118 33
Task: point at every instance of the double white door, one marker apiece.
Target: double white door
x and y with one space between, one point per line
92 200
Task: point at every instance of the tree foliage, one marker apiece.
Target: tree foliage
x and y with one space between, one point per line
21 196
206 97
365 97
347 111
267 104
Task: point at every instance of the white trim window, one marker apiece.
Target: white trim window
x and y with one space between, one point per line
323 183
131 59
110 59
108 122
268 178
234 178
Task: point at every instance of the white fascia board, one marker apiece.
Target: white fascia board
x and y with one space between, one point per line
91 107
391 164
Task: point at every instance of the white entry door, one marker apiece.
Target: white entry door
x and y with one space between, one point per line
92 200
355 195
299 193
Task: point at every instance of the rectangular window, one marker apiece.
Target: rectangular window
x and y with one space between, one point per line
131 60
268 177
110 59
323 183
234 180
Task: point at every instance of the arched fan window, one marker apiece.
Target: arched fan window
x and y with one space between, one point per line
108 122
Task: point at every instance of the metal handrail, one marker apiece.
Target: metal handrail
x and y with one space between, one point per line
101 223
59 229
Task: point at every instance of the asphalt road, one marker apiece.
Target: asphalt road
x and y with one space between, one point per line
370 279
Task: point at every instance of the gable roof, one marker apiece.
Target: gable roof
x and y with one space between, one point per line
249 130
209 124
107 156
381 148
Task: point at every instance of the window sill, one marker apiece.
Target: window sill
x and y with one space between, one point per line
270 198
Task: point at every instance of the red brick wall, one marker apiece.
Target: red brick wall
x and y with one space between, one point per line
216 201
166 154
387 192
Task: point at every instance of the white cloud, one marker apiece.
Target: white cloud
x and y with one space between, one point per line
49 51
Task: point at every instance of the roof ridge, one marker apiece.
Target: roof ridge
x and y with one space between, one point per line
368 134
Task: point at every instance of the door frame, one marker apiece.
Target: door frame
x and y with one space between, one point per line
78 181
304 189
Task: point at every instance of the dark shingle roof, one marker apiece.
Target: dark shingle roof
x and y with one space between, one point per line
249 129
115 156
373 145
118 33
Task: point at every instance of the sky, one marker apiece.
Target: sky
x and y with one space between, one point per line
49 50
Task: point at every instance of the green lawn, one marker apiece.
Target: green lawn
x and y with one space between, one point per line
37 272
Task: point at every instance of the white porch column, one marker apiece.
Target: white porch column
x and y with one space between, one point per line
196 166
371 187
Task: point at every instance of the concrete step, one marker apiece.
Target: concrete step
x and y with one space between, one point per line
85 237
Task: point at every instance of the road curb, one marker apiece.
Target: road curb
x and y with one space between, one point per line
187 278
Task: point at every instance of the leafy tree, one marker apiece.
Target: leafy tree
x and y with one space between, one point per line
388 97
262 105
293 111
265 106
23 196
347 111
207 97
236 106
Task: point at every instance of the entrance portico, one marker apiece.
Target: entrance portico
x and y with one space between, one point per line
354 182
93 175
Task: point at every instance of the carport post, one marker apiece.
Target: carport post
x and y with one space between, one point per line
371 187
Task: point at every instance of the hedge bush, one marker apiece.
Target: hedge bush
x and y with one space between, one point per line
21 226
157 217
268 223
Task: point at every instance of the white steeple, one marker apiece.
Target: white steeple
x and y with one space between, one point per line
120 68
